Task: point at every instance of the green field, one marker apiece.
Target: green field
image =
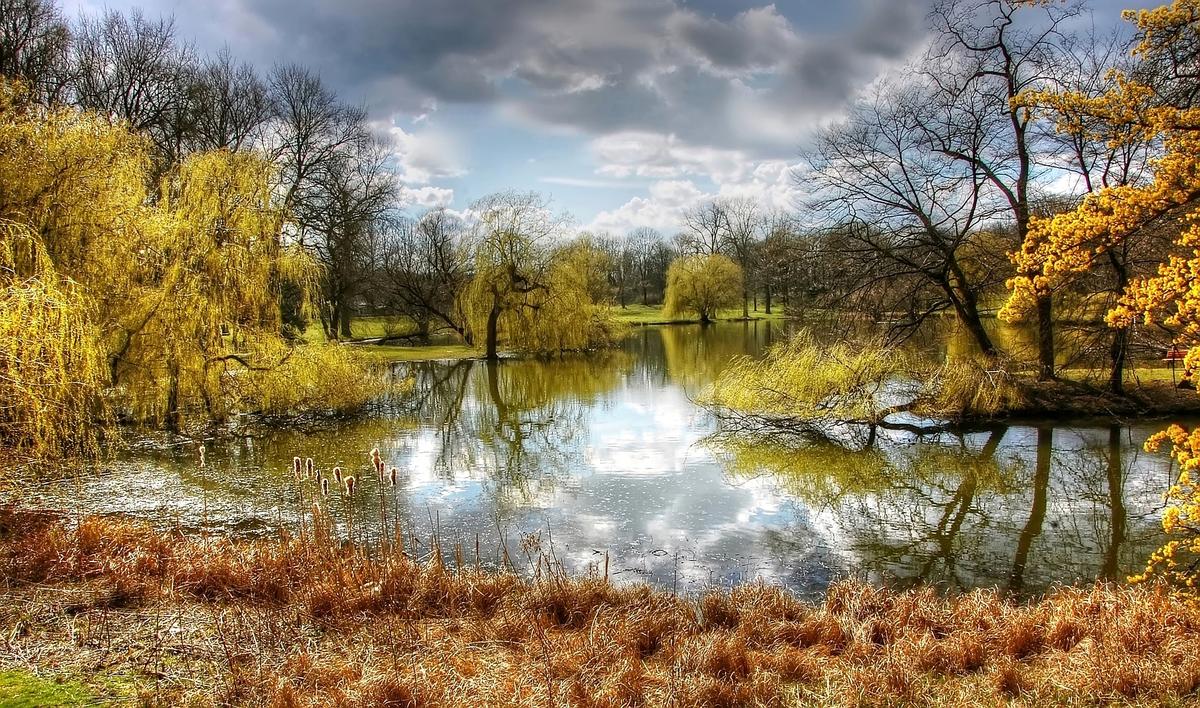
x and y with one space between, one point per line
653 314
373 327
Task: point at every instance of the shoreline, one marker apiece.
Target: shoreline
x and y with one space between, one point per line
110 607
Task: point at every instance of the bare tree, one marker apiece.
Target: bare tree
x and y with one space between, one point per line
986 55
349 200
133 69
34 42
620 263
311 131
232 104
424 267
652 255
908 213
782 256
705 227
742 230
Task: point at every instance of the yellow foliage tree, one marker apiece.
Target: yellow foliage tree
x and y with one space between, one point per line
1163 108
173 302
702 284
51 371
538 299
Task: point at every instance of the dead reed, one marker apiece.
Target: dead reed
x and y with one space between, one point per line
308 620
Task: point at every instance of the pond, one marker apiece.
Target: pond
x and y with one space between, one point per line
605 459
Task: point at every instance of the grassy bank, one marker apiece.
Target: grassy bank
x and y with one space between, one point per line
653 314
306 621
366 332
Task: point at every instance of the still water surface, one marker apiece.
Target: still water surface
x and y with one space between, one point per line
607 454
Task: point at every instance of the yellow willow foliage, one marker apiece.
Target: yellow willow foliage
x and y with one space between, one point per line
551 312
212 312
311 379
567 316
178 299
805 380
702 285
51 372
964 387
1176 560
76 180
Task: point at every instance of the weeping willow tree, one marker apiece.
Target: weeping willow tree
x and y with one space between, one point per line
816 389
51 371
212 314
702 284
173 302
525 291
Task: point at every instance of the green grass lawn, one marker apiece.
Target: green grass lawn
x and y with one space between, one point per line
653 314
20 688
376 327
1145 373
420 352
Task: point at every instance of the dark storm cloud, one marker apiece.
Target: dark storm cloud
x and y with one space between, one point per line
595 65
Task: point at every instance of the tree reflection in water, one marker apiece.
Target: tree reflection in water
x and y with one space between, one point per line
609 451
1011 507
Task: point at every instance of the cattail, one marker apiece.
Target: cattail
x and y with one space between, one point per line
375 455
200 451
308 467
325 487
392 476
317 476
337 474
349 485
296 467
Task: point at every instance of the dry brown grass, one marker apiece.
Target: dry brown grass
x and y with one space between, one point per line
305 621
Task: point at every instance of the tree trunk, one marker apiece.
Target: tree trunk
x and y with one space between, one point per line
344 321
493 323
174 418
1116 504
745 304
329 321
1117 355
767 298
1045 337
1037 513
967 309
1120 343
970 318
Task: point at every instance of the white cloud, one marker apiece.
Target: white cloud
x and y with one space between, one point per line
733 174
643 154
426 196
588 183
424 156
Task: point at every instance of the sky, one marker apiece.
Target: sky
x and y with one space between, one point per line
623 112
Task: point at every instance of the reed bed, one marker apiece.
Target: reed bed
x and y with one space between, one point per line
307 620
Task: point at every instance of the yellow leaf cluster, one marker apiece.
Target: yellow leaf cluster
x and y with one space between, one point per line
1066 244
173 293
